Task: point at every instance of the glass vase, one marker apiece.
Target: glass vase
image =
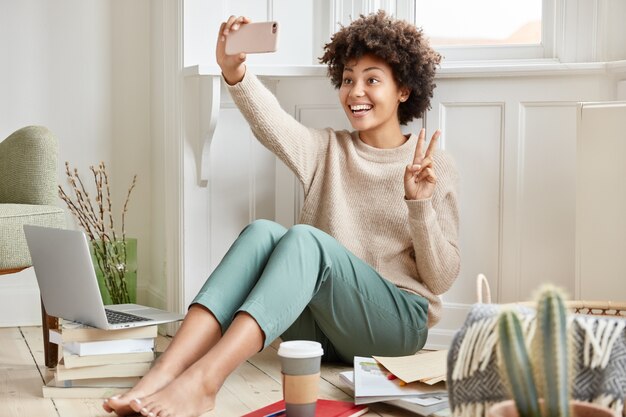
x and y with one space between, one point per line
115 264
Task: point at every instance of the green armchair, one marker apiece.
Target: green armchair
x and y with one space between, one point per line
28 192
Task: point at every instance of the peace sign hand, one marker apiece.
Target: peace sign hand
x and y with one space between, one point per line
419 177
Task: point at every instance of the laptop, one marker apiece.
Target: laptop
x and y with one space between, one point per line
69 287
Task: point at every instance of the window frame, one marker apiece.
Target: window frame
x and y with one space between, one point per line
546 49
551 25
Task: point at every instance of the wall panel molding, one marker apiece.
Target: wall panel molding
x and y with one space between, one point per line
473 132
545 196
600 201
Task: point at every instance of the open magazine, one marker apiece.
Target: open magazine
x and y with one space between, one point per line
424 404
371 383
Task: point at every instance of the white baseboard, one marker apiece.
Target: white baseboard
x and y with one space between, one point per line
452 318
157 299
20 303
439 339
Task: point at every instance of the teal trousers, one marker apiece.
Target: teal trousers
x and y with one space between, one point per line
301 284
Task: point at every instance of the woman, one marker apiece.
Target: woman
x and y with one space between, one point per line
377 239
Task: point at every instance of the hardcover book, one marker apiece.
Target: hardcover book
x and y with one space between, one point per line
81 392
104 347
75 361
71 331
102 371
325 408
119 382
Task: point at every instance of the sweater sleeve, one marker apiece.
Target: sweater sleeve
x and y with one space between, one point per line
298 146
434 227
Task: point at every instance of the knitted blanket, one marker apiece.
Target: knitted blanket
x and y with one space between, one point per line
474 380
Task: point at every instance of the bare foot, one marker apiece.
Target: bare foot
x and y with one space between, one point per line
187 396
152 382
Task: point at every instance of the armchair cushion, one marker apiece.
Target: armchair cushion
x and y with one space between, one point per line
28 167
28 191
13 249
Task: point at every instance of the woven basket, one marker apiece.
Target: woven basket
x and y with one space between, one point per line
595 308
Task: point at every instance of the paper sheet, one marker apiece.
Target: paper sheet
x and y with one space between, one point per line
420 367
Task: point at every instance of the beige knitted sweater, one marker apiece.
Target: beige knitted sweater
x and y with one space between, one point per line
355 193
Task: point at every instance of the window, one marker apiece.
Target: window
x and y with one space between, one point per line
469 30
480 22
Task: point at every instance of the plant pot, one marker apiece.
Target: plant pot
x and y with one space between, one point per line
126 272
579 409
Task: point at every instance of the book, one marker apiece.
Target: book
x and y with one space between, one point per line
425 405
71 331
325 408
372 384
90 392
104 347
71 360
121 382
102 371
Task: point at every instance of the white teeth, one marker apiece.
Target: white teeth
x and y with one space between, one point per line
360 107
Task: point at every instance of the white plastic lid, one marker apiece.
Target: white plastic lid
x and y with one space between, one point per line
300 349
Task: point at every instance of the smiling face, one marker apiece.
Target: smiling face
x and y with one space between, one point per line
370 97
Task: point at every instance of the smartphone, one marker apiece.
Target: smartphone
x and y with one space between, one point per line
253 38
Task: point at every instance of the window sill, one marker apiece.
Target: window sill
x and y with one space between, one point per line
449 69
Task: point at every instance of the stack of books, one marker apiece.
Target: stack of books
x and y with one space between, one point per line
99 363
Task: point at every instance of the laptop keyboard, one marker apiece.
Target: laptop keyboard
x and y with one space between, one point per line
117 317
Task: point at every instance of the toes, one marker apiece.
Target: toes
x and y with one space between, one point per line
150 410
135 404
109 403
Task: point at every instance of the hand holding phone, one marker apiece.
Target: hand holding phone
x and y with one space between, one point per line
253 38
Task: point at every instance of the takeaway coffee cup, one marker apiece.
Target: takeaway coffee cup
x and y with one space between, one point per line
300 362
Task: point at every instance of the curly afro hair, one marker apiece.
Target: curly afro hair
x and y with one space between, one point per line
399 43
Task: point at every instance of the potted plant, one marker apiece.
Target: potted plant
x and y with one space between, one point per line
114 255
545 371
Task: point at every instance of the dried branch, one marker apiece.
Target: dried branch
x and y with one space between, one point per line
109 253
130 190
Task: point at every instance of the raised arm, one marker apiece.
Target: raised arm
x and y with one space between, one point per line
298 146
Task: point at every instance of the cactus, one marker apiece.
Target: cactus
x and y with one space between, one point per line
549 360
517 365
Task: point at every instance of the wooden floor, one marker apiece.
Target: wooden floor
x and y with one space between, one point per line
254 384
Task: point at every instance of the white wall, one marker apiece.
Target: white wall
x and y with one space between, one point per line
203 18
82 68
56 71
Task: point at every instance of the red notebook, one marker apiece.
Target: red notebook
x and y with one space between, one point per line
325 408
